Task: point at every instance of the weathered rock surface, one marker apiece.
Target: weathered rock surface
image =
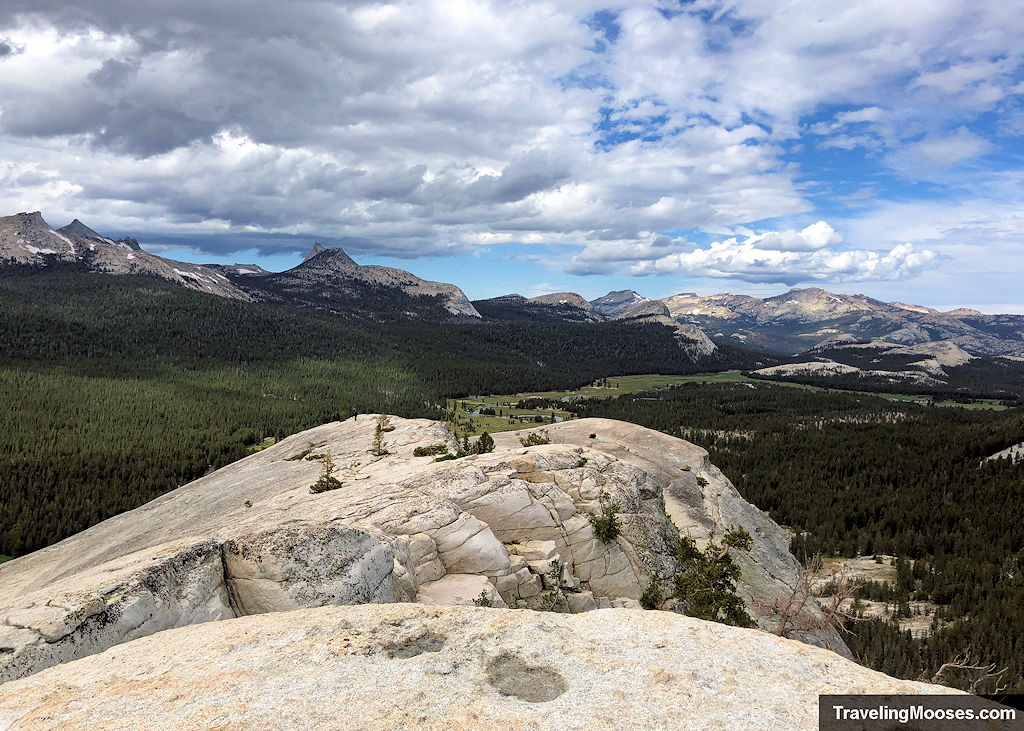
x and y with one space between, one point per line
826 367
251 539
411 666
1013 453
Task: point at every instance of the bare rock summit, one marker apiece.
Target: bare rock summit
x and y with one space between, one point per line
615 303
251 539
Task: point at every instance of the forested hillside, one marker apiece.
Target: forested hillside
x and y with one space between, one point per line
117 389
854 474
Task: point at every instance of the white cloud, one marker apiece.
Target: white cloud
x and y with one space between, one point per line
744 260
435 127
866 114
813 238
958 77
789 257
934 154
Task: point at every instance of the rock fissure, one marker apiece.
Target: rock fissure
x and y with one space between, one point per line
228 588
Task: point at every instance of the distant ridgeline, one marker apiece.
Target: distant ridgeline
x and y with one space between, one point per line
849 341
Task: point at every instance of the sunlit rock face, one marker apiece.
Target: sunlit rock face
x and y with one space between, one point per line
505 528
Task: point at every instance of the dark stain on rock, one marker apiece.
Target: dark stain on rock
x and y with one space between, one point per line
512 676
416 646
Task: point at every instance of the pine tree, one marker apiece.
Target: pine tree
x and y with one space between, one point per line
383 425
484 444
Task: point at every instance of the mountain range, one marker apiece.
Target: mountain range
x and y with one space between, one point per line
810 332
802 319
26 238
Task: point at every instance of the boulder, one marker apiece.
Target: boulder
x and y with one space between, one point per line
460 590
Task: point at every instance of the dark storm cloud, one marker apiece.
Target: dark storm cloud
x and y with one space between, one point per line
232 244
151 130
114 72
271 71
529 173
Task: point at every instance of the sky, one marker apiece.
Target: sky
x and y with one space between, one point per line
746 147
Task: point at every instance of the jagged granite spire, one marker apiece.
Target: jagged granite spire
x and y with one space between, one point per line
332 259
314 250
79 230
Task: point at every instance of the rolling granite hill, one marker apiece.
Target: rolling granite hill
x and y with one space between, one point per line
614 304
625 307
558 307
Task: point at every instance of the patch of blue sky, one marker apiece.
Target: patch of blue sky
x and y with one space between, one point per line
843 168
526 269
716 16
612 132
606 22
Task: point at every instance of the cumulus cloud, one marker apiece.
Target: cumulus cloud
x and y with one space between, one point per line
425 128
742 260
813 238
865 114
776 257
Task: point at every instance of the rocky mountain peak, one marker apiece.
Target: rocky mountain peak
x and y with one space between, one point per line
26 237
624 294
562 298
328 273
315 249
329 258
28 223
615 303
33 218
79 230
645 308
807 294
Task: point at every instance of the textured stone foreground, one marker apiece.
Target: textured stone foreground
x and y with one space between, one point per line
251 539
412 666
